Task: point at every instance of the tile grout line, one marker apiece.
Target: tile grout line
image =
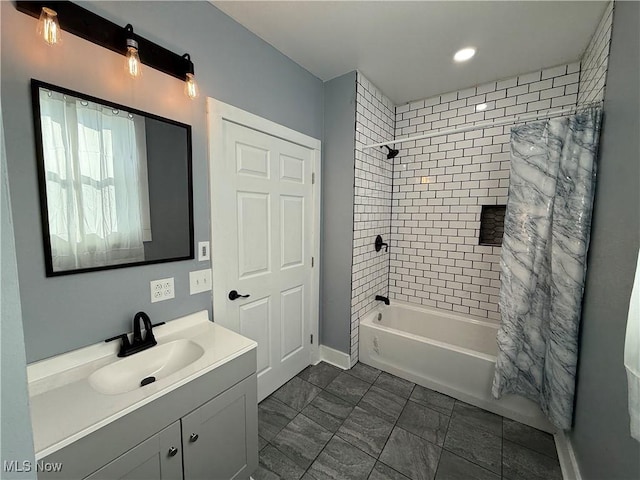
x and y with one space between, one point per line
334 434
395 425
377 459
299 412
477 428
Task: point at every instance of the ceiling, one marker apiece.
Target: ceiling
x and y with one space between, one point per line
406 48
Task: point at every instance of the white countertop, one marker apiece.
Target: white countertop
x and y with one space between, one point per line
65 408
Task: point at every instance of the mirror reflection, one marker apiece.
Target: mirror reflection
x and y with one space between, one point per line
115 183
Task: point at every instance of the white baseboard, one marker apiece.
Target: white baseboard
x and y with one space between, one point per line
567 457
335 357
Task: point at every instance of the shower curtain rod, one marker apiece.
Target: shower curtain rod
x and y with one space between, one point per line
487 124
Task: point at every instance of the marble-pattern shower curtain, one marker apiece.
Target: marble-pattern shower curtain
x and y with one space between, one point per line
543 261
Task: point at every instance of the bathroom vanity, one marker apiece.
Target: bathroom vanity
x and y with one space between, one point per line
197 420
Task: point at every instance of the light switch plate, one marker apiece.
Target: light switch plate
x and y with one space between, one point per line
162 289
203 251
200 281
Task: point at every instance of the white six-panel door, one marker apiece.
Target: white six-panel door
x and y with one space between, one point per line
262 204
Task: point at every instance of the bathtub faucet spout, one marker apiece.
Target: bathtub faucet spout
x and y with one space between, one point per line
382 299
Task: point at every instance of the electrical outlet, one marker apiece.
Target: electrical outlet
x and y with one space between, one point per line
162 289
203 251
200 281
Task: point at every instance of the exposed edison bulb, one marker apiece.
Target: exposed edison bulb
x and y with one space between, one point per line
132 59
48 26
190 86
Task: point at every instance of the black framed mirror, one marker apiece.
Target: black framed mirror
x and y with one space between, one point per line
116 187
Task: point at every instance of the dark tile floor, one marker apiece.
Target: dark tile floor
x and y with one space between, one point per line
365 424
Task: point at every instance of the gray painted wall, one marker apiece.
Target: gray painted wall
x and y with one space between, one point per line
601 438
16 440
337 211
231 64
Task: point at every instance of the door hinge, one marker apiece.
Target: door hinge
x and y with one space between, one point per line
313 178
312 339
313 261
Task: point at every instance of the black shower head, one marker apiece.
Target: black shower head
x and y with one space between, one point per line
392 152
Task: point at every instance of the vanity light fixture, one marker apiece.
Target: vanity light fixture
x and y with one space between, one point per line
464 54
55 16
132 59
190 85
48 26
481 107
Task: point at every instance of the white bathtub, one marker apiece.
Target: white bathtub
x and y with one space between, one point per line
447 352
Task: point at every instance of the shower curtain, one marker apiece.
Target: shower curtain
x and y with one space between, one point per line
543 261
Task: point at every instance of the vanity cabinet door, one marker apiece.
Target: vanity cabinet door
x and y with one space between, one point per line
158 457
220 438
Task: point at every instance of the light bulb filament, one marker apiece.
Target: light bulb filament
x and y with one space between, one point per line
50 32
132 62
190 86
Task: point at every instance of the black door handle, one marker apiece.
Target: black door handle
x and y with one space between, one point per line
233 294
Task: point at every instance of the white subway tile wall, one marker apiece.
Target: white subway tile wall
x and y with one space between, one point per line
430 197
372 203
593 74
441 183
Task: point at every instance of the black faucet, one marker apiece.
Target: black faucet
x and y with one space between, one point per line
383 299
137 334
138 344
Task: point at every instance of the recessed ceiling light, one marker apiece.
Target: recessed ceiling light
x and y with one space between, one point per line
464 54
481 107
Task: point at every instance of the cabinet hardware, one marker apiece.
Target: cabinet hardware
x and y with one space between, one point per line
172 451
193 437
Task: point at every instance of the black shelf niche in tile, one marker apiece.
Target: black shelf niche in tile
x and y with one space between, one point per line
492 224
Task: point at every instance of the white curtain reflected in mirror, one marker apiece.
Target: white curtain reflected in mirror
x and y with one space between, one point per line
115 183
97 195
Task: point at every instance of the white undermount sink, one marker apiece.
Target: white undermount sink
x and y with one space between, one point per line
160 361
